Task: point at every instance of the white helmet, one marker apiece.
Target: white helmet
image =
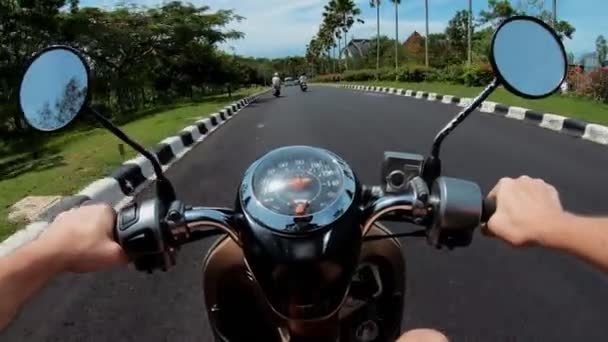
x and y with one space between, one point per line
276 74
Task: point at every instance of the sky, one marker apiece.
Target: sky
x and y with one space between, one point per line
278 28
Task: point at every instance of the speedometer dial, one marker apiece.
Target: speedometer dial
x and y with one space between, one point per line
297 184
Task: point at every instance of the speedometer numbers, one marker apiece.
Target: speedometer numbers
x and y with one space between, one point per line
299 187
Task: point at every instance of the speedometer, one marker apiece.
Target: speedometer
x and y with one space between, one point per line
297 190
299 185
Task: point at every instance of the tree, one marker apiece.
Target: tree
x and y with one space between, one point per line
376 4
499 10
137 55
456 33
348 13
601 49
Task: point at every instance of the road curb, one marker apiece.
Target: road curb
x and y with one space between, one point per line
132 176
573 127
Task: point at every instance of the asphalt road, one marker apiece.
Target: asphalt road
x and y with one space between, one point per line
487 292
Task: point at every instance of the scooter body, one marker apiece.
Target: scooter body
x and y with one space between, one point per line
371 311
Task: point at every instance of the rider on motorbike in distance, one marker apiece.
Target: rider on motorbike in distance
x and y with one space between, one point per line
276 80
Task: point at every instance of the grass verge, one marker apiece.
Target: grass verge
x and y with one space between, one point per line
570 106
74 159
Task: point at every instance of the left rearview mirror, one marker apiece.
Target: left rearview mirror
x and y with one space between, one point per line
54 88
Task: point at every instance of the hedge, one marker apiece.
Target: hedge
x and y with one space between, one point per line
475 75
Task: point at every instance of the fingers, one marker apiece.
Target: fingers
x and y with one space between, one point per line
119 255
501 183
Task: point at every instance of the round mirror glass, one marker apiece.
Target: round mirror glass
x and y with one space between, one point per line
54 89
528 57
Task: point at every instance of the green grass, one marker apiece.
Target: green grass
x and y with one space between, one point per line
74 159
574 107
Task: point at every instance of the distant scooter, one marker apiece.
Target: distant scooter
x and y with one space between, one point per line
277 91
303 86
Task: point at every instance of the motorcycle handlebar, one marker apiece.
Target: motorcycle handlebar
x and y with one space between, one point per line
488 209
153 231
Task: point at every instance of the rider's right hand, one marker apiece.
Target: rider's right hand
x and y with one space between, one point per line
526 209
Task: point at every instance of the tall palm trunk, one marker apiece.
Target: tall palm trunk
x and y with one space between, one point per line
339 54
345 31
334 58
377 39
470 33
346 51
426 40
396 35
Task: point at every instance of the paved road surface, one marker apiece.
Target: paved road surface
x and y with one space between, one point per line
487 292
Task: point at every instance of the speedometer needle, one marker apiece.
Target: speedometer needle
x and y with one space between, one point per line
300 183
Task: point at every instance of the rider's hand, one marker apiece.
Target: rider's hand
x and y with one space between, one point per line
525 210
81 239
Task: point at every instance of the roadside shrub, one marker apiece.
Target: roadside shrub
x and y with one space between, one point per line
387 74
599 84
579 82
328 78
452 74
477 75
359 75
412 74
435 75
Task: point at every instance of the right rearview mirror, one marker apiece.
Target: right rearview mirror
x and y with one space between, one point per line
528 57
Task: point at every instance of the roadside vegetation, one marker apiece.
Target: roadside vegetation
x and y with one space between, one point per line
66 162
154 70
389 62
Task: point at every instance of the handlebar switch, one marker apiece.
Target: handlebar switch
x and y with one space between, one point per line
128 216
139 231
140 243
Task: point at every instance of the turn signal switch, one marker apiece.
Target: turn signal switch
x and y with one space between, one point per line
139 231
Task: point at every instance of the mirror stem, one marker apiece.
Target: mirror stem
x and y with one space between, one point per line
164 188
461 116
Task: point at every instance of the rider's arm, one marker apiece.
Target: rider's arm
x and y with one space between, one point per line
584 237
79 240
22 274
529 211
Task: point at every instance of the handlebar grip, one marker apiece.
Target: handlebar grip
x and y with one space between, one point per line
488 209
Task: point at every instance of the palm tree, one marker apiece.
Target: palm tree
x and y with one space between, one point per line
338 18
331 23
347 13
396 3
326 39
376 4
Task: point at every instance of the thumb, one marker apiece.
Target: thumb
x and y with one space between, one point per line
115 255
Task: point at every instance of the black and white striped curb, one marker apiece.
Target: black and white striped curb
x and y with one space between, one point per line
581 129
133 175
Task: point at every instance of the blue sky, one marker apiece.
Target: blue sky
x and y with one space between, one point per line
276 28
